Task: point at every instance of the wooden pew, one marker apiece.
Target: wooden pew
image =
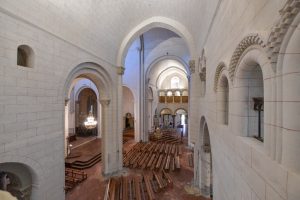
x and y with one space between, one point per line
149 187
168 178
137 188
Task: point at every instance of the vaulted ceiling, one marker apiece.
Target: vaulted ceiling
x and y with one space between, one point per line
100 26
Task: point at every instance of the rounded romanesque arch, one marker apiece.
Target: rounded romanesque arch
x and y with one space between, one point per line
220 68
203 156
107 101
166 111
34 169
248 43
158 21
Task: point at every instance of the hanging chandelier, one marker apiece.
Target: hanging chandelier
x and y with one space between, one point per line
90 122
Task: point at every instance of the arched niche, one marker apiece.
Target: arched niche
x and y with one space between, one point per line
251 82
223 100
16 178
25 56
249 85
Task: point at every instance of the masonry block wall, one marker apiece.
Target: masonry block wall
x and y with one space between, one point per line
243 167
32 102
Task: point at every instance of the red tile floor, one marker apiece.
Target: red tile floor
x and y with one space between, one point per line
93 188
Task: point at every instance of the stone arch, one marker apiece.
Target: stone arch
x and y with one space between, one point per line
223 99
36 171
220 68
96 73
288 75
180 109
277 42
167 57
248 43
103 81
203 170
152 22
252 80
166 110
85 87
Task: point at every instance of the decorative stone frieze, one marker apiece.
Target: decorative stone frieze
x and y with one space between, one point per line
218 73
192 65
288 13
249 41
120 70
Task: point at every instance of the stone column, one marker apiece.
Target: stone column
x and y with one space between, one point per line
181 92
107 147
67 104
150 117
173 94
120 72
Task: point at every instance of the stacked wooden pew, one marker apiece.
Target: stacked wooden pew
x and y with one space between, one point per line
154 155
139 187
165 137
73 177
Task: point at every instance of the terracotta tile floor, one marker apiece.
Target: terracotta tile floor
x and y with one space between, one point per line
93 188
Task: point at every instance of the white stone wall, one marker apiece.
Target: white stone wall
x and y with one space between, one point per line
32 104
64 34
243 167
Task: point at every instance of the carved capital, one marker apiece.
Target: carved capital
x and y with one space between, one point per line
66 101
104 102
120 70
192 65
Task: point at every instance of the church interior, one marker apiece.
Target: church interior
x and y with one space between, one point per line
135 99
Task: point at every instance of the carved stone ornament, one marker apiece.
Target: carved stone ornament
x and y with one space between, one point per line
192 66
218 73
120 70
249 41
202 74
288 13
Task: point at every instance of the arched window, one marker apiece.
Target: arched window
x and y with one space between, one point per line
25 56
175 82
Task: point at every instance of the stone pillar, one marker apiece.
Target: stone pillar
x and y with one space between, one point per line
67 104
120 72
150 117
99 116
108 146
173 94
181 92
